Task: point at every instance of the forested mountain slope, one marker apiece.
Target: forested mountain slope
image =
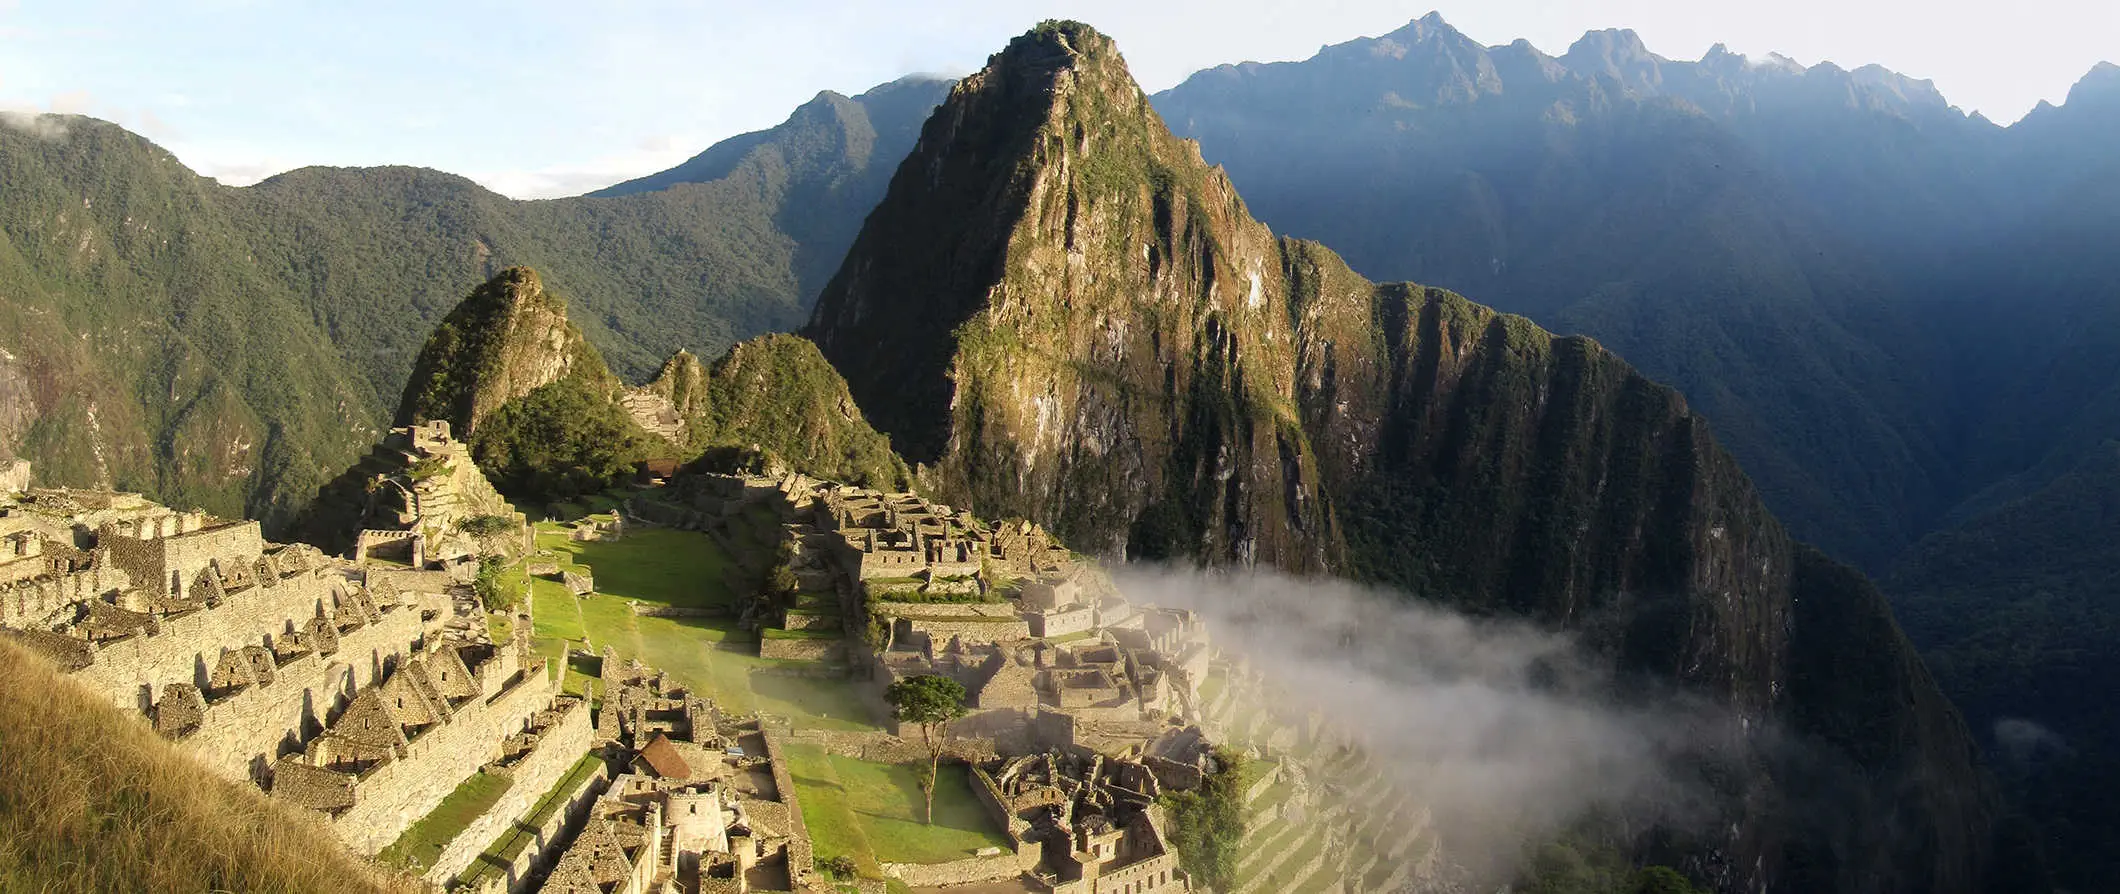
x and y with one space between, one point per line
232 348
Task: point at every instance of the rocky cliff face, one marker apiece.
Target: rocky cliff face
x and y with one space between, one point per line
1061 311
504 341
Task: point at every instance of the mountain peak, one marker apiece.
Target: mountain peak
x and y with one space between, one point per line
506 339
1055 42
1617 53
2102 81
1424 29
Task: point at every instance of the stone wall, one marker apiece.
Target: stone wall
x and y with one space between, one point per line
394 795
1001 610
992 630
241 734
184 648
556 752
1155 875
966 871
31 601
168 559
548 839
801 649
801 862
811 621
1074 619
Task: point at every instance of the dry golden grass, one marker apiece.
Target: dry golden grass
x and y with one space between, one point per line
93 800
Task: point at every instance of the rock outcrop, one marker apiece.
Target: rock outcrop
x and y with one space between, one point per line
504 341
1060 311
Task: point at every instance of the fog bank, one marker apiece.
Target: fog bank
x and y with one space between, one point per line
1506 732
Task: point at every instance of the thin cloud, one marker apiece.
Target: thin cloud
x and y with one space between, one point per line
1508 734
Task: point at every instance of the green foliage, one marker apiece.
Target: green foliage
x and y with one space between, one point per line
778 395
560 441
839 866
427 467
1575 866
236 348
492 587
926 699
1208 823
483 526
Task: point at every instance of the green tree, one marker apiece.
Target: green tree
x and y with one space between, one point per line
1208 823
488 586
1662 880
932 702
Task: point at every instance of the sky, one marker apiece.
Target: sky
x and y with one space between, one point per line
538 99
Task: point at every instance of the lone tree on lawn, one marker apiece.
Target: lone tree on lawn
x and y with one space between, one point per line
932 702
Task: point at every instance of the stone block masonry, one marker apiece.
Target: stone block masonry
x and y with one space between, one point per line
392 795
241 734
559 746
801 862
184 648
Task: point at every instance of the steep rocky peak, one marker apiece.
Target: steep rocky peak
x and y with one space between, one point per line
507 338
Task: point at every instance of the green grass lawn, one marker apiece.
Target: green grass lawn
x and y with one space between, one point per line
872 812
659 565
707 654
422 842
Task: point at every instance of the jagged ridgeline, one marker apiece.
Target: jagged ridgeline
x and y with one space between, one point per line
1060 311
548 420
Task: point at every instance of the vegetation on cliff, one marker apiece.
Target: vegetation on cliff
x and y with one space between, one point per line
1208 823
1060 311
561 441
509 338
547 421
92 800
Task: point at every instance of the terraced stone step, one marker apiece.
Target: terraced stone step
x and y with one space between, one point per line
1261 872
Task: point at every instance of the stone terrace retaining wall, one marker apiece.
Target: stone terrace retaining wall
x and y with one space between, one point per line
1001 610
245 730
802 649
395 795
556 752
966 871
489 875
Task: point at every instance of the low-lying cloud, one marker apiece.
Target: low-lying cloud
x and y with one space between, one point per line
1507 733
37 124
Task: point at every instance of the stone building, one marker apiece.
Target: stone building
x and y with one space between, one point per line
401 746
406 501
1092 820
704 805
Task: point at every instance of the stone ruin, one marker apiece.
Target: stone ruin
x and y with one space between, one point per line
336 685
703 805
407 500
